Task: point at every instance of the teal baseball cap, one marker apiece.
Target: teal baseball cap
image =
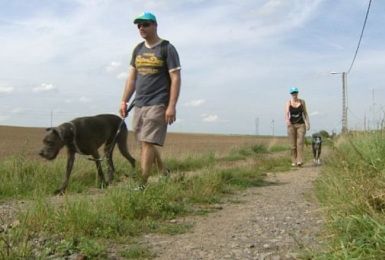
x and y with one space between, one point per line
293 90
145 17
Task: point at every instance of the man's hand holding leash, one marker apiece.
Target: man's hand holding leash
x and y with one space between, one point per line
123 109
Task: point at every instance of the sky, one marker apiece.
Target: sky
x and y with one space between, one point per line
69 58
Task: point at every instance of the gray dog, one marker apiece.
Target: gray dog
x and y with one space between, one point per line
316 144
85 135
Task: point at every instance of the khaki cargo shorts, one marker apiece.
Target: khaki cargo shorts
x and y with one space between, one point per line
149 124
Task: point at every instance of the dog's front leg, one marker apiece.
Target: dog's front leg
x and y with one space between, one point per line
70 164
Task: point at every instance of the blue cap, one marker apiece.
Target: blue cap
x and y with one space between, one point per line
145 17
293 90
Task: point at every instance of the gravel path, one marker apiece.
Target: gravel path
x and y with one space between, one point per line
270 222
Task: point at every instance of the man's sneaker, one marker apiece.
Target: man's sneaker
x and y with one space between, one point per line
141 187
299 164
293 164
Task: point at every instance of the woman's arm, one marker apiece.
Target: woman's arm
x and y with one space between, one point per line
306 115
287 113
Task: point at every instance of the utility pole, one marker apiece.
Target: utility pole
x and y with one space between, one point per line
257 126
51 117
374 110
272 126
344 104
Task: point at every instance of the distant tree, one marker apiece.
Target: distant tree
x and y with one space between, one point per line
324 134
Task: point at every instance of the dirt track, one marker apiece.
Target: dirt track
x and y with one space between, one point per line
271 222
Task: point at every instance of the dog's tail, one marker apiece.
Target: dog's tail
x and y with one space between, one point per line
122 145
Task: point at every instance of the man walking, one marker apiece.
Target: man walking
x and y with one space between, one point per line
155 76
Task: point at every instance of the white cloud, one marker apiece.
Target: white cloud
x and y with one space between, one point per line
210 118
195 103
6 90
122 75
285 14
85 99
81 99
113 66
45 87
314 113
18 110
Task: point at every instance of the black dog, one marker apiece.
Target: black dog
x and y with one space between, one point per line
85 135
316 144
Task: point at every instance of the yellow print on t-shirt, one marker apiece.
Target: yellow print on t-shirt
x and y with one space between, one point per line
147 71
148 59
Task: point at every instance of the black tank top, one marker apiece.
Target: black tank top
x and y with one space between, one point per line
296 114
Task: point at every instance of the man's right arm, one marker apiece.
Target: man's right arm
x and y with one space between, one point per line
129 90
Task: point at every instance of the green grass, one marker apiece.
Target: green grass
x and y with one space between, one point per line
352 190
191 162
279 148
137 252
245 152
22 178
82 222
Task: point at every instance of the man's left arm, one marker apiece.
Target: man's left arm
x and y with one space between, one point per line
174 94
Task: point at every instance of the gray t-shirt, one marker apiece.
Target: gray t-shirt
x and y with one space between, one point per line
152 84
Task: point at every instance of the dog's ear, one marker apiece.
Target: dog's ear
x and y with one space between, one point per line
48 129
55 130
65 132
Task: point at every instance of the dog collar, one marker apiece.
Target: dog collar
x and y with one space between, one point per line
77 149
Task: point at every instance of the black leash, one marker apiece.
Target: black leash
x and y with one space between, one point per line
130 107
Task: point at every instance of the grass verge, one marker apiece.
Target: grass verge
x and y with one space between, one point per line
351 188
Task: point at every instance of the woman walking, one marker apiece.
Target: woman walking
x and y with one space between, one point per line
297 121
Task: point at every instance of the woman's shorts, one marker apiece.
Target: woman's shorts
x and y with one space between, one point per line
149 124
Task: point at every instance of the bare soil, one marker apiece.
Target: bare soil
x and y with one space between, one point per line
28 141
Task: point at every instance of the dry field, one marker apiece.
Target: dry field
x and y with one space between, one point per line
28 141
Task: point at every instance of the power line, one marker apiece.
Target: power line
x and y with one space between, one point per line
362 32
